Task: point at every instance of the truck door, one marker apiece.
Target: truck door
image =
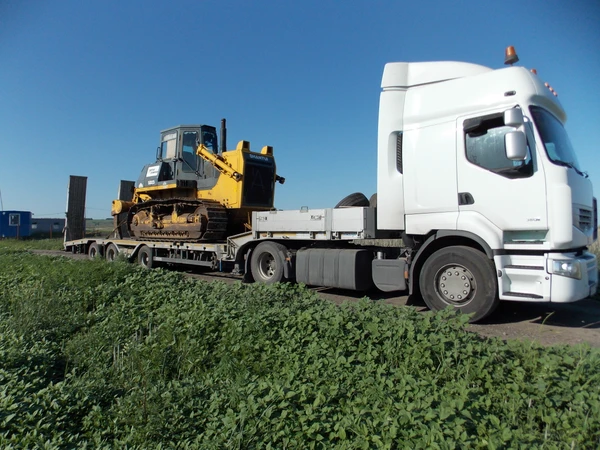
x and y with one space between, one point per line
495 192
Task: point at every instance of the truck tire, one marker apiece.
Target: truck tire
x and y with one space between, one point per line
462 277
145 257
95 251
267 262
373 200
111 252
356 199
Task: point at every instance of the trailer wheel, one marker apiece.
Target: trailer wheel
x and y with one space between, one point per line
461 277
95 251
356 199
145 257
267 261
111 252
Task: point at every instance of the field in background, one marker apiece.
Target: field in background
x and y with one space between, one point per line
98 228
595 248
46 241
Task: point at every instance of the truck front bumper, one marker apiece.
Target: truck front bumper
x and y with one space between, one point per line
569 288
552 277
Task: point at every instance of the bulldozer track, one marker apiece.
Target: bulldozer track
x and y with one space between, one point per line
212 227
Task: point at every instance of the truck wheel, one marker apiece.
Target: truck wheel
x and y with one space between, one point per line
267 261
373 200
145 257
356 199
461 277
111 252
95 251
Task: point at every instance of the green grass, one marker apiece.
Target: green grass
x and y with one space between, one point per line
103 355
31 244
98 228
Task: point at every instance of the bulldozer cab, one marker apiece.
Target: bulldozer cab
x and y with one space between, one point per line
184 139
177 155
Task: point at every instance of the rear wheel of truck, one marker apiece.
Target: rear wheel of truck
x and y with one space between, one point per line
461 277
145 257
111 252
95 251
267 263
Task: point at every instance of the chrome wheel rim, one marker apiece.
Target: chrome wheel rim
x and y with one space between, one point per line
455 285
267 265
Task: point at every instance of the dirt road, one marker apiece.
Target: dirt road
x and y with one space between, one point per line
545 323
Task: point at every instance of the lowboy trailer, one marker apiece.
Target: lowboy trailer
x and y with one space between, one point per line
282 246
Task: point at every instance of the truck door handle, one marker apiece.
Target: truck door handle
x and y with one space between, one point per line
465 198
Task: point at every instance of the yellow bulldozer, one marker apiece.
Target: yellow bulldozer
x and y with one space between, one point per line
197 191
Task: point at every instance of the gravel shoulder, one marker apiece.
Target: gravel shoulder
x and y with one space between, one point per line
543 323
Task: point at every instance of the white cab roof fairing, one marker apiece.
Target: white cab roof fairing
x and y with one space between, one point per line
405 75
546 99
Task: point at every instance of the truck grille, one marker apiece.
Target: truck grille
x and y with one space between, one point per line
584 219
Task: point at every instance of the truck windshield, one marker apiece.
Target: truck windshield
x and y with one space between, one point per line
556 141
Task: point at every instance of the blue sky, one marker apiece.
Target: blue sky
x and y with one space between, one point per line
85 87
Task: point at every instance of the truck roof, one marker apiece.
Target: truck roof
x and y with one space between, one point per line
405 74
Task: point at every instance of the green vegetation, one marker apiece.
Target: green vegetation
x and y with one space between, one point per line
103 355
31 244
98 227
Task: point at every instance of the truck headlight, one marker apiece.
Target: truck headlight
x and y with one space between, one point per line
566 268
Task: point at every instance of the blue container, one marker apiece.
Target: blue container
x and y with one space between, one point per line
15 224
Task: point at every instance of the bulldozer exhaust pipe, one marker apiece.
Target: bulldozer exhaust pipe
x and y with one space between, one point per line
223 135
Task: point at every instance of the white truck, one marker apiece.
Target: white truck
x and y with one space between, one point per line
477 177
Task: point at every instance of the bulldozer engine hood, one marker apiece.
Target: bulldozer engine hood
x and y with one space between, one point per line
153 174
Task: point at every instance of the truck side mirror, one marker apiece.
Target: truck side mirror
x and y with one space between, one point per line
513 117
158 154
515 145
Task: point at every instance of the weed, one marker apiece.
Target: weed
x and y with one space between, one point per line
113 356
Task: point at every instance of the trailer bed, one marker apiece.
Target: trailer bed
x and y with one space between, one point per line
315 224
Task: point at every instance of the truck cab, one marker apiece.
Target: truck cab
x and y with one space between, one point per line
446 177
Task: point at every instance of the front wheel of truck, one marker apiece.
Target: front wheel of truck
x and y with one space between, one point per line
461 277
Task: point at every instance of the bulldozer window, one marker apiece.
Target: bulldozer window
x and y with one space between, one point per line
190 160
209 140
168 149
